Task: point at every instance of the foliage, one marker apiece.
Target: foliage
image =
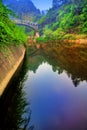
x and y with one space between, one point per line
68 18
25 9
41 40
9 32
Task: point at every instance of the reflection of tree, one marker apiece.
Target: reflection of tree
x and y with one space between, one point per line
60 62
12 106
36 59
60 70
34 65
69 60
75 81
57 68
34 62
25 123
55 65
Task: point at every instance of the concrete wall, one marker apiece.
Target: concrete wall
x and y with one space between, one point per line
10 60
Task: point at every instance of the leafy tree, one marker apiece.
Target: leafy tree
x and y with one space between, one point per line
70 17
9 32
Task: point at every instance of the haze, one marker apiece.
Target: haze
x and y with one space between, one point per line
43 4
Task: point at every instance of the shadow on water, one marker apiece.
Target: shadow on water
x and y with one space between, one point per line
13 106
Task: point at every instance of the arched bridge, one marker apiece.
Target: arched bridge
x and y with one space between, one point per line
26 23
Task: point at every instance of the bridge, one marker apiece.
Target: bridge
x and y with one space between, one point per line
26 23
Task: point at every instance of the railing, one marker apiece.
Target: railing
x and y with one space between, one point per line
26 23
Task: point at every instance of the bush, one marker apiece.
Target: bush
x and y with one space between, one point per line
41 40
9 32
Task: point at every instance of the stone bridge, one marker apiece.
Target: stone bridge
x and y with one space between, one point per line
26 23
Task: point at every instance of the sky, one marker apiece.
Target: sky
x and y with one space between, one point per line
42 4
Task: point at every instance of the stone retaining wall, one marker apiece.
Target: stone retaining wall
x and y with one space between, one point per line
9 63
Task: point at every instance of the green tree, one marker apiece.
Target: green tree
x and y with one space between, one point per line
9 32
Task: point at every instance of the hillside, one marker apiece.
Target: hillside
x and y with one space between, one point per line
8 29
23 8
65 17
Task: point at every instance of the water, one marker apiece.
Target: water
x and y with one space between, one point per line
53 95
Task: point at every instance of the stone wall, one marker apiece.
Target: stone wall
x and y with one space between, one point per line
10 60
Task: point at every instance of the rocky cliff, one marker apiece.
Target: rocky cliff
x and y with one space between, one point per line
58 3
23 8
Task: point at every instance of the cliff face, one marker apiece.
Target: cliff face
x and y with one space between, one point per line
58 3
23 7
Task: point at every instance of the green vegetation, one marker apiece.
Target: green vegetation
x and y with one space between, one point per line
65 21
41 40
9 32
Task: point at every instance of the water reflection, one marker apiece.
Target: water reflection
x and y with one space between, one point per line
55 103
13 106
47 96
70 60
76 67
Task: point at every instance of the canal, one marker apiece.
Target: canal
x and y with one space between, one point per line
50 94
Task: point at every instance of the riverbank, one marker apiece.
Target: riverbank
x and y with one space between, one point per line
10 60
80 43
66 38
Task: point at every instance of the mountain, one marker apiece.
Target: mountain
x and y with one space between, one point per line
57 3
68 16
23 8
53 12
44 12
